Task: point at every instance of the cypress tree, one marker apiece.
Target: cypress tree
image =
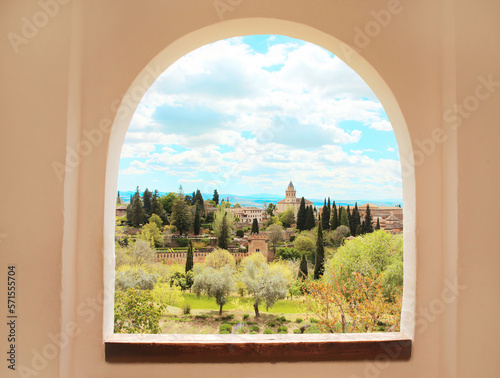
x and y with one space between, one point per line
310 222
303 268
325 216
355 220
334 220
224 234
368 221
255 226
319 267
189 257
137 213
377 227
302 215
146 199
216 197
196 223
199 202
344 221
359 230
349 216
118 199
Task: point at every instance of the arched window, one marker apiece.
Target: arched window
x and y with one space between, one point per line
400 342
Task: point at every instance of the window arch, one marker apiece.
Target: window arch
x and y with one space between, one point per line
324 345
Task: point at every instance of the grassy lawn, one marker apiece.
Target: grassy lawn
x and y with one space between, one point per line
284 306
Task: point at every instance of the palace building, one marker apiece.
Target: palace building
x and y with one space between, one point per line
290 200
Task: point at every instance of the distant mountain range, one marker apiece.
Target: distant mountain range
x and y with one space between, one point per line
258 200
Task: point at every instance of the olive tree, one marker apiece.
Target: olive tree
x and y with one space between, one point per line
264 282
218 284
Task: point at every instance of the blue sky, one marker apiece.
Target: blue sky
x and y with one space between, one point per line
246 115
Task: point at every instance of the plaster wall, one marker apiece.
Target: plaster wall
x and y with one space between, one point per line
63 85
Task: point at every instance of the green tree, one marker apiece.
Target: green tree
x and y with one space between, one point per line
218 284
137 312
181 214
287 218
334 220
310 222
119 201
265 282
156 220
197 223
157 208
189 257
223 239
135 211
377 227
199 201
325 215
319 267
344 220
152 234
255 226
303 268
304 244
355 220
146 200
168 201
372 255
302 215
222 211
269 208
216 197
368 221
275 234
286 253
220 258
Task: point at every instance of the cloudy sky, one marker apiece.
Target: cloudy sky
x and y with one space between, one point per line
246 115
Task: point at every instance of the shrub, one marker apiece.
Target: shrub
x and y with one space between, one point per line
186 309
253 333
292 238
282 319
168 295
240 233
282 329
254 328
313 329
268 331
313 320
135 278
227 317
224 332
183 242
251 323
299 320
296 331
271 324
225 327
246 316
136 312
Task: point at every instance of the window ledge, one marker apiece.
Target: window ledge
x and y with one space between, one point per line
257 348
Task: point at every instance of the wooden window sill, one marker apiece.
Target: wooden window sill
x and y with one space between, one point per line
257 348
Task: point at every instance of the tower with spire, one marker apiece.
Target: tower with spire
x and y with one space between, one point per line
290 194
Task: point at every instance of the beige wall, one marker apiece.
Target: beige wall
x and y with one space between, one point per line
68 76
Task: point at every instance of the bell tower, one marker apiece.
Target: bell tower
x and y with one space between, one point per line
290 193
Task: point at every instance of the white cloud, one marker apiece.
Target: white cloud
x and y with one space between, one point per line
276 124
382 125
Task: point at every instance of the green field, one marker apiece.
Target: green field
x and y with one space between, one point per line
284 306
